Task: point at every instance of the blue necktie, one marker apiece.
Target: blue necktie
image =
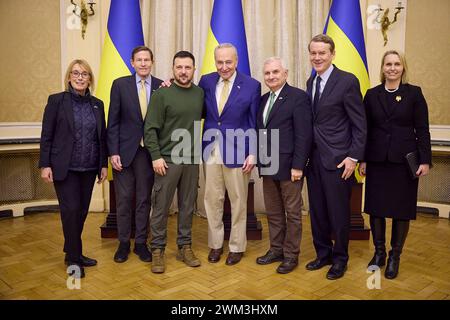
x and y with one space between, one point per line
316 94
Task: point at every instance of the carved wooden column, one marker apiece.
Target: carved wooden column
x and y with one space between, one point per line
254 228
109 228
358 231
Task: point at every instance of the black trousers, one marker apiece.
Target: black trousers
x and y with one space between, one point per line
74 196
134 184
329 201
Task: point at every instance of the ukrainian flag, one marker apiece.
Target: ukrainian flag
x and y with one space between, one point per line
227 25
344 25
124 32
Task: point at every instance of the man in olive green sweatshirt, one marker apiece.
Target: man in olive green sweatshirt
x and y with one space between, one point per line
172 136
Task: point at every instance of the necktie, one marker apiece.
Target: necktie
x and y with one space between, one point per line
271 102
316 94
143 103
224 95
143 99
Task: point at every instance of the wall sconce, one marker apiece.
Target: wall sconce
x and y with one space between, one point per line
82 12
385 22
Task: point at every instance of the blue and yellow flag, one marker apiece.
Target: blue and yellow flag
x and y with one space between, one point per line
344 25
227 25
124 33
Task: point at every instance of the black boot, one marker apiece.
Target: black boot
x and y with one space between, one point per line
399 232
378 226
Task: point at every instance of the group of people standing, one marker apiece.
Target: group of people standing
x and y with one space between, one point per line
153 140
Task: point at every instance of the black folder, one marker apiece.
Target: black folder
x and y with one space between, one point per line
412 159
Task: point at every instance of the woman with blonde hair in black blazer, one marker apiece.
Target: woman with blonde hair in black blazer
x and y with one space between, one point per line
397 124
72 152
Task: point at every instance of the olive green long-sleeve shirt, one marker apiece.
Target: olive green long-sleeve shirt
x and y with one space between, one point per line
170 110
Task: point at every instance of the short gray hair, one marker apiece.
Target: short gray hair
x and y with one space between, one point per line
275 58
226 45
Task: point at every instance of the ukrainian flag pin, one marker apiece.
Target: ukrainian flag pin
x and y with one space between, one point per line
398 98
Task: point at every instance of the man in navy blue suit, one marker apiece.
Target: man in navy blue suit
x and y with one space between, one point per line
132 164
231 104
339 126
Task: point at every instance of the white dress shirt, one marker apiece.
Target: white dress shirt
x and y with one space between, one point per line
324 78
266 107
219 86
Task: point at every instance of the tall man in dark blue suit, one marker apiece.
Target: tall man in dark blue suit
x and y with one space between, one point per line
132 164
339 126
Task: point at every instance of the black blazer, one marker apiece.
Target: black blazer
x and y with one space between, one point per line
339 123
291 115
125 122
392 133
57 136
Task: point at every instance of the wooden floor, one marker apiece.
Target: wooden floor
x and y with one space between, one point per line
31 267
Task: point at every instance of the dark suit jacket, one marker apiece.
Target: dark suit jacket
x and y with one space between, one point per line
291 116
125 122
394 132
239 112
57 136
339 121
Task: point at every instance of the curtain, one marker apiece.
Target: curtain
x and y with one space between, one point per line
273 28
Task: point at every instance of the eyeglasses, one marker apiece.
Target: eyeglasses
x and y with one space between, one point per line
76 74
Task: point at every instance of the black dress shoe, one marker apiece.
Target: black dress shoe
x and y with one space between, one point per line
233 258
142 251
318 264
214 255
287 265
122 252
269 257
75 269
84 261
87 262
336 271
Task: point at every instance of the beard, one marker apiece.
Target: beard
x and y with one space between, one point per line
183 80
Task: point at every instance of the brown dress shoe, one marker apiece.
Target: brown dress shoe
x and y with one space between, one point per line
287 265
214 255
233 258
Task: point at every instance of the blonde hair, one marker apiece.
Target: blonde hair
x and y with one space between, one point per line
402 58
85 66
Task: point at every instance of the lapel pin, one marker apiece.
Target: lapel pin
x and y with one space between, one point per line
95 107
280 98
239 87
398 98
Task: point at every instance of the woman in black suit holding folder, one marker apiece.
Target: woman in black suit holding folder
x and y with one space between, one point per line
397 124
72 153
